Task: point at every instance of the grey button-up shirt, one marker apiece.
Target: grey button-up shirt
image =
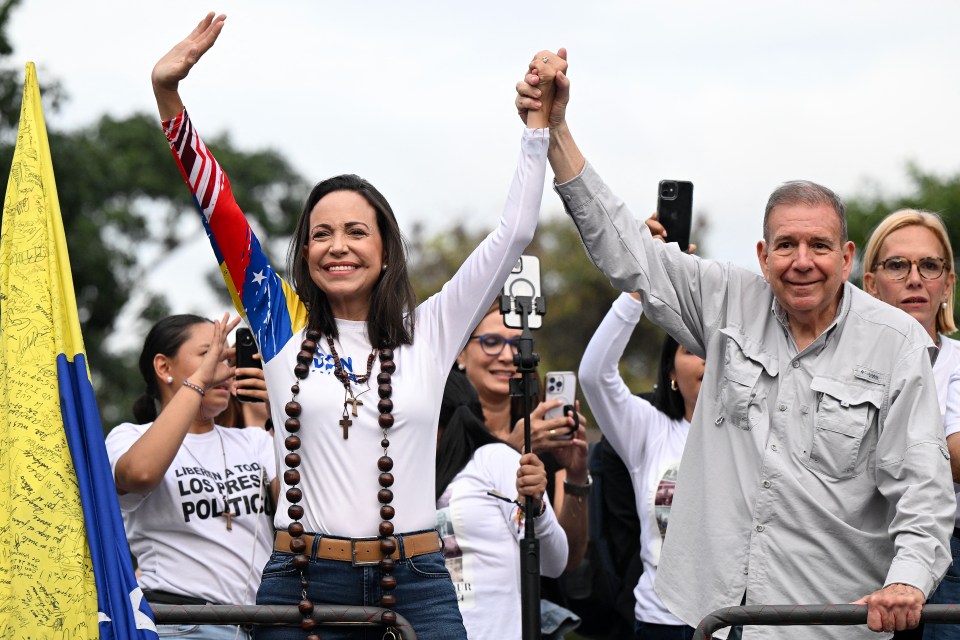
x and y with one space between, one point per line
807 478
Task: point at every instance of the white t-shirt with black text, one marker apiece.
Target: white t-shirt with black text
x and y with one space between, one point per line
177 532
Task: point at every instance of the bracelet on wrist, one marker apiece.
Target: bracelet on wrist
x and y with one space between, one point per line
578 490
195 387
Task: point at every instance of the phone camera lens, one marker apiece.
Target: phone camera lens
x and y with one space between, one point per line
668 189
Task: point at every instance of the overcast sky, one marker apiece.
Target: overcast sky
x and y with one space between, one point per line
418 96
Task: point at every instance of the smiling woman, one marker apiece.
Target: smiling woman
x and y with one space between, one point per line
350 305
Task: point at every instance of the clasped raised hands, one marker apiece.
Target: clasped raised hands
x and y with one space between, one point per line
543 93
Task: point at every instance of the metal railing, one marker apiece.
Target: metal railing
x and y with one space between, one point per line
324 614
811 614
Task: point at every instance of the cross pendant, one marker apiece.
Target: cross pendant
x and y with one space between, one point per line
345 422
228 515
354 403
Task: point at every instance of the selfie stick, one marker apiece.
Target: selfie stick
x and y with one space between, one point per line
526 386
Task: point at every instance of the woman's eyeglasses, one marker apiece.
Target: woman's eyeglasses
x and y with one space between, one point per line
898 268
492 343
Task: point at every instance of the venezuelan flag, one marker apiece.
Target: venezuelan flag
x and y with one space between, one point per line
65 569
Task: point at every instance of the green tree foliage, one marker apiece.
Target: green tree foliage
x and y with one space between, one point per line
124 204
927 191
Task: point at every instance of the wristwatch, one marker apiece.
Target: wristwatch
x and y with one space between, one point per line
578 490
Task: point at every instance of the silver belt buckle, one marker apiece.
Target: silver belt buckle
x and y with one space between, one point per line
353 552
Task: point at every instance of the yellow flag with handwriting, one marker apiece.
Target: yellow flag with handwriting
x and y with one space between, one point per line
46 574
65 568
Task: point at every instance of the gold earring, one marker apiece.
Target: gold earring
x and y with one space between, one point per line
673 384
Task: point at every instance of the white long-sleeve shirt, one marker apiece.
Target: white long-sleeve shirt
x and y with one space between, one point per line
648 441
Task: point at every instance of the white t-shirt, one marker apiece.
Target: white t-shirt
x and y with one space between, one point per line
177 532
481 543
948 361
649 442
945 370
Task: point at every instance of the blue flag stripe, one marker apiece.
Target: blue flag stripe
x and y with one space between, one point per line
109 551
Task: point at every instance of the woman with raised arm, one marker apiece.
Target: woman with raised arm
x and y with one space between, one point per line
356 521
193 493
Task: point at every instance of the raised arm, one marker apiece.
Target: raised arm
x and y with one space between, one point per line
141 469
269 304
176 64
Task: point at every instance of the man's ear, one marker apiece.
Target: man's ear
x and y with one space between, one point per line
849 250
762 257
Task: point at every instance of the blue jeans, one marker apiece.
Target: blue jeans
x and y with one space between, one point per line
947 593
425 595
202 632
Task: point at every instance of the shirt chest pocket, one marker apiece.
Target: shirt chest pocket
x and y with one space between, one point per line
740 384
843 440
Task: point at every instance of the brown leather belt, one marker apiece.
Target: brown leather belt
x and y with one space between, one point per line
361 551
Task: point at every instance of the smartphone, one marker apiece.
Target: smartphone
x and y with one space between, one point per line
562 385
675 210
523 280
246 348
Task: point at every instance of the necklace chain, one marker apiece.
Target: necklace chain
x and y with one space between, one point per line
293 460
227 512
345 379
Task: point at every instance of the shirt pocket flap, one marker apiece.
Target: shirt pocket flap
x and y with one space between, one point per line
752 351
842 442
848 393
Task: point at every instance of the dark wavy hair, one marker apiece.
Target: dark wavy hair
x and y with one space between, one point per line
166 337
665 399
464 429
390 319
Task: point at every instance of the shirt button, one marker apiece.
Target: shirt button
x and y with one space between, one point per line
759 528
718 421
782 407
767 484
796 363
774 447
745 571
568 197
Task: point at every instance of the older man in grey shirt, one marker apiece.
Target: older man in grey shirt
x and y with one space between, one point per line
815 470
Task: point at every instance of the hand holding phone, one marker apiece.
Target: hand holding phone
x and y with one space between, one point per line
562 385
246 349
675 210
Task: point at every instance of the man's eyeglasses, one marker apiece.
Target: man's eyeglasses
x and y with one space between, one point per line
492 343
898 268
